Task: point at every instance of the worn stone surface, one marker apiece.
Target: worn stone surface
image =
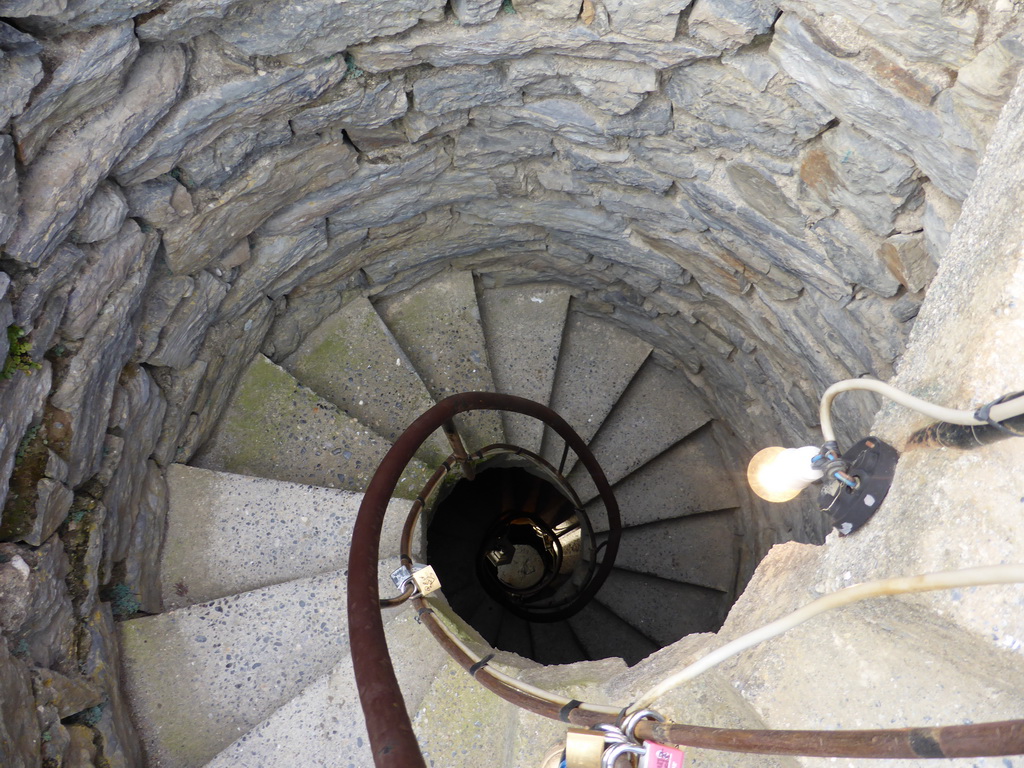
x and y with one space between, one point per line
19 730
102 216
9 200
21 70
87 71
26 393
153 84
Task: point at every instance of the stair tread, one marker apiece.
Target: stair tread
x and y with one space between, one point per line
200 677
605 635
687 479
658 409
662 610
231 533
699 549
352 359
596 363
450 738
523 325
437 323
276 428
325 721
555 643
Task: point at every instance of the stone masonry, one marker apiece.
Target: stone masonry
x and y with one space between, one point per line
762 190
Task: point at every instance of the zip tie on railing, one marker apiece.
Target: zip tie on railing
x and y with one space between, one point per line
968 577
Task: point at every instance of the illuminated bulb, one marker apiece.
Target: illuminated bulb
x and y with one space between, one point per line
779 474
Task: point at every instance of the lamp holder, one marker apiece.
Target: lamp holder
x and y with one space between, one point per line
871 463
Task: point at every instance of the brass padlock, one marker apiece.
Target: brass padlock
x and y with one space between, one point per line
583 748
426 580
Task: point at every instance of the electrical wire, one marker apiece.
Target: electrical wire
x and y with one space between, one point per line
968 577
998 412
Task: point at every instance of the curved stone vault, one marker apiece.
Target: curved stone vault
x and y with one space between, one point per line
762 191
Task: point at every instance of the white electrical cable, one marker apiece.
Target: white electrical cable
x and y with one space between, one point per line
969 577
999 412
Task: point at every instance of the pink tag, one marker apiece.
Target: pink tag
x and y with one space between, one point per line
660 756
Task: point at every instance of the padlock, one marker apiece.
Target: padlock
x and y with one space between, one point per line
661 756
426 580
583 748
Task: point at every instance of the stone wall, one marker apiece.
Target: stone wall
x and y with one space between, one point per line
761 190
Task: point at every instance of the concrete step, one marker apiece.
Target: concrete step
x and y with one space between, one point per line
231 533
437 323
596 363
697 549
514 635
203 676
276 428
354 361
584 681
523 325
658 409
555 643
662 610
603 634
687 479
323 725
463 725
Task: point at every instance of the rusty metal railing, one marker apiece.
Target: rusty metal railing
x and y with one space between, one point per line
387 721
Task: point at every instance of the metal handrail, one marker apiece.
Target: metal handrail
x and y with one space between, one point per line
387 721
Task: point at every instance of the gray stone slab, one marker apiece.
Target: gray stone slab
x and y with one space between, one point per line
555 643
597 362
662 610
657 410
276 428
687 479
604 635
437 323
202 676
698 549
523 325
326 719
232 533
448 737
353 359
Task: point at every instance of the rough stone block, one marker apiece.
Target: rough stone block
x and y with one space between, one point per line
470 12
87 71
874 100
24 396
183 332
9 198
548 9
223 101
20 70
908 259
153 85
107 265
102 216
355 103
646 19
454 88
300 169
728 23
20 735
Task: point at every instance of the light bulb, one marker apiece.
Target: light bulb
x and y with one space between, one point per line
779 474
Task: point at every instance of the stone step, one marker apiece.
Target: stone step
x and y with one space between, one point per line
687 479
201 677
437 323
697 549
463 725
231 533
323 725
603 634
535 735
514 635
596 362
523 325
555 643
354 361
657 410
276 428
662 610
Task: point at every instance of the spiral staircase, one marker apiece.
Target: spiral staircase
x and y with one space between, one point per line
249 664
